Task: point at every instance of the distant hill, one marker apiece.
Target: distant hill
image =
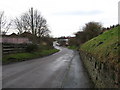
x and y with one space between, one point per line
105 47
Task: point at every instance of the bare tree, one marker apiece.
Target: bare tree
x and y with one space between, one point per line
4 25
44 31
2 20
7 27
33 22
19 25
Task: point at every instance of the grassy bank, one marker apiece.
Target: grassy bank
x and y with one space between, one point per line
73 47
101 58
17 57
105 47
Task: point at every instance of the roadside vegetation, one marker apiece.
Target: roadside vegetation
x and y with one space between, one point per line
73 47
34 53
101 58
106 46
89 31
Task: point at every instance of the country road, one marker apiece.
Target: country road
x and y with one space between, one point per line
63 69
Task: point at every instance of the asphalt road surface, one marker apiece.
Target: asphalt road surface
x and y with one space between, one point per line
63 69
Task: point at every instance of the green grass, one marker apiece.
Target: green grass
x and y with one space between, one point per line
73 47
105 46
26 56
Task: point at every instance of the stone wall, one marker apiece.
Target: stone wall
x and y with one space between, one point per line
102 74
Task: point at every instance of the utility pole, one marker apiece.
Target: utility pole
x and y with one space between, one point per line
36 24
32 23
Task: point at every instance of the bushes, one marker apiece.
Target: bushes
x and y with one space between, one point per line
90 30
31 48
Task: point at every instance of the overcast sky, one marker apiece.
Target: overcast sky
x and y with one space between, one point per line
65 17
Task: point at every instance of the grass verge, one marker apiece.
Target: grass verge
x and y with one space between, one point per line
73 47
18 57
